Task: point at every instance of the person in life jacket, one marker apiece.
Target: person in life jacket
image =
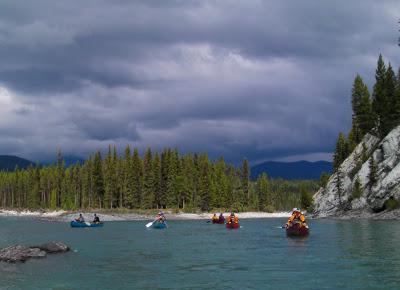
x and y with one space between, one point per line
296 217
233 219
214 218
221 218
160 217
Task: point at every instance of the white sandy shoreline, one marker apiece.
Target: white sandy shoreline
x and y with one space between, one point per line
61 215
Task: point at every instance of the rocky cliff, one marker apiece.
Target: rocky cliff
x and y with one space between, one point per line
338 198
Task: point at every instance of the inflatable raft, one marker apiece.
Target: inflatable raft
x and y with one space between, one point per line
76 224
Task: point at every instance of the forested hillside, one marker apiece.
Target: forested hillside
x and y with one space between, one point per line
166 180
9 162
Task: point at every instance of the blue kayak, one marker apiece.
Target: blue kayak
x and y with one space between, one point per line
158 225
76 224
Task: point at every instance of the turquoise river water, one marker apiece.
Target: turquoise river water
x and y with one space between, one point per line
198 255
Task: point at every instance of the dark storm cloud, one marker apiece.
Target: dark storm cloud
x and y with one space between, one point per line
255 79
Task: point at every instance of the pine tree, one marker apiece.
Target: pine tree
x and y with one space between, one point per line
128 187
204 183
380 103
221 184
339 185
263 192
396 103
373 178
148 180
390 90
341 151
87 183
306 198
164 178
245 178
362 110
60 172
157 180
110 178
365 116
98 183
324 178
172 168
137 168
34 186
357 191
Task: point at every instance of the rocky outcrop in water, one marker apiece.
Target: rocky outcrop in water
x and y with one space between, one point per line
20 253
338 199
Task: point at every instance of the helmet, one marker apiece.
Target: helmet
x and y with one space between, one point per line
296 209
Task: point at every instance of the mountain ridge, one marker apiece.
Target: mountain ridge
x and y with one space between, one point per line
301 169
9 162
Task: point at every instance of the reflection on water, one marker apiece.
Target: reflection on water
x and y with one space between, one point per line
198 255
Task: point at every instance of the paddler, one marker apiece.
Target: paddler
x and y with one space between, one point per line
296 217
80 218
221 218
233 219
236 219
160 217
96 219
214 218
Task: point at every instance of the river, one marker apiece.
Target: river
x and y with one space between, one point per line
198 255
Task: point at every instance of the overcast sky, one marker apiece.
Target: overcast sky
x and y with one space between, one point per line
265 80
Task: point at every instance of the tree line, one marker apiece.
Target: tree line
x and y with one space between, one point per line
154 181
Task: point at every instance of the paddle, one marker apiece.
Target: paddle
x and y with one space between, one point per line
88 224
150 224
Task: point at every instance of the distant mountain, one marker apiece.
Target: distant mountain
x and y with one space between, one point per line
8 162
72 159
68 160
292 170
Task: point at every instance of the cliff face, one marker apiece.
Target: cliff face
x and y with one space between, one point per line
337 197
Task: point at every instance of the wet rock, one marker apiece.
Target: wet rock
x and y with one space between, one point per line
20 253
53 247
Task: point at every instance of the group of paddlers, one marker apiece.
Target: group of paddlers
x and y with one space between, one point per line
81 219
232 219
297 217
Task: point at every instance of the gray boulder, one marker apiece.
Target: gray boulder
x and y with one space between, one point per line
20 253
53 247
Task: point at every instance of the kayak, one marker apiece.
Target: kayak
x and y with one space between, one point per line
76 224
158 225
232 226
218 222
297 230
